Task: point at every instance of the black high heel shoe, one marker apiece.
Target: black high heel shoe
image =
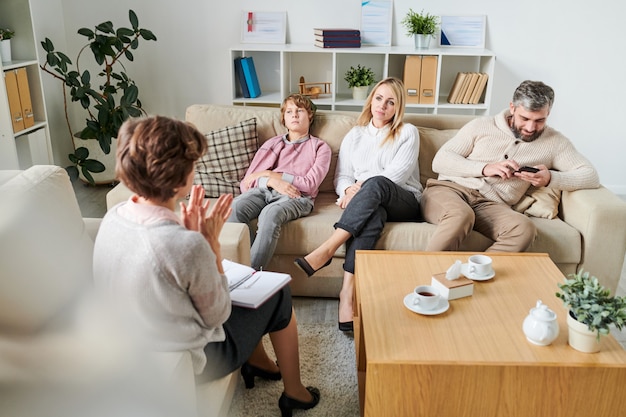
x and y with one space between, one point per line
248 372
346 326
307 268
287 404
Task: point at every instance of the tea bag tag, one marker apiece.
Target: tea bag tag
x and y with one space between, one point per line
454 272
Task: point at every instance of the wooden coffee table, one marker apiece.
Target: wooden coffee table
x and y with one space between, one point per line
474 360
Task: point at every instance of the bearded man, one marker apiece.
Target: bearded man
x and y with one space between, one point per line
488 166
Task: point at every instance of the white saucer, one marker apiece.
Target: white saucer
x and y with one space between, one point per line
443 306
473 277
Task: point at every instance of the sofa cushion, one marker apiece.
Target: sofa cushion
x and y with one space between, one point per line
45 252
539 202
332 128
229 153
430 142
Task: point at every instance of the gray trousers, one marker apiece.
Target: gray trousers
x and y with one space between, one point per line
272 210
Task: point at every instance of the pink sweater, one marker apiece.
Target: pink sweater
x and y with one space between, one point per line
303 163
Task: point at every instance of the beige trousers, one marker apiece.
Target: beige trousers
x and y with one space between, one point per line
458 210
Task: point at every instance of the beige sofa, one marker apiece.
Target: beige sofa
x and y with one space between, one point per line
589 233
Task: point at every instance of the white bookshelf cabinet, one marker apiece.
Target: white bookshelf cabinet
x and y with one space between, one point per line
279 68
30 146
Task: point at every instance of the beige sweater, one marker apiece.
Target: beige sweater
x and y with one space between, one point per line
489 139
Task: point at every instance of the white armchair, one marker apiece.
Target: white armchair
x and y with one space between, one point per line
52 327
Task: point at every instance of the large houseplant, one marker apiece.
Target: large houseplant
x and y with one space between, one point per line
109 99
422 26
359 79
591 304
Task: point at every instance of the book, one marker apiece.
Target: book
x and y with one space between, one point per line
338 44
249 288
480 87
13 94
336 32
241 79
25 99
466 79
428 80
452 289
456 86
412 77
249 72
470 87
319 38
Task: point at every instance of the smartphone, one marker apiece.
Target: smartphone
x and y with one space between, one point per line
528 169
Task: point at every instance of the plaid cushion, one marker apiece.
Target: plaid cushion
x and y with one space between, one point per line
229 153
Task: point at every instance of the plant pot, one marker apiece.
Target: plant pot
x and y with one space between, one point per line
95 152
580 337
360 93
422 41
5 50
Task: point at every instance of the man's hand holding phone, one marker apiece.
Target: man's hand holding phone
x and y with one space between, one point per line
538 176
528 169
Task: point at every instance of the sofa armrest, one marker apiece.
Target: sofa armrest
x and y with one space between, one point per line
91 226
600 217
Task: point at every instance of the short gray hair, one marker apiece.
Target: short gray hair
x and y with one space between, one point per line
533 95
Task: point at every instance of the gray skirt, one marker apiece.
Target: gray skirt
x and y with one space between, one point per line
244 329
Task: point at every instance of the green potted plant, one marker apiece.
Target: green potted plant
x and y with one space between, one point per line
359 79
422 26
591 308
5 43
109 98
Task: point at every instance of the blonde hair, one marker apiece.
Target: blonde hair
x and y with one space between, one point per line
397 88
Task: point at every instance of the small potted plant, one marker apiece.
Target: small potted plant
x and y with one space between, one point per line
591 310
422 26
5 43
359 80
109 97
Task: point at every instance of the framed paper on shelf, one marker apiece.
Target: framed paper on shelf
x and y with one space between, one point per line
263 27
376 22
463 31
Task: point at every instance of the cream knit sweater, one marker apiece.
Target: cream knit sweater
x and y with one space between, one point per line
489 139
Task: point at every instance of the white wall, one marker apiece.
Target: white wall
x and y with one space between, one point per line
575 46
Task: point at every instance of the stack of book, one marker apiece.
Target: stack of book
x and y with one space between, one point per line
247 78
337 38
468 88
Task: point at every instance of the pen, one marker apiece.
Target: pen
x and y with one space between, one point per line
248 285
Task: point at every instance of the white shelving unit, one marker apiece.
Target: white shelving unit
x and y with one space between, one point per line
279 68
31 146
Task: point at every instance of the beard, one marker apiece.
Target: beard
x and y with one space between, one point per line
526 138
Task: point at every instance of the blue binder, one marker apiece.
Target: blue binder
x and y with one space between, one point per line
249 73
241 79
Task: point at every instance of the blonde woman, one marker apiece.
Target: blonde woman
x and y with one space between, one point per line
377 180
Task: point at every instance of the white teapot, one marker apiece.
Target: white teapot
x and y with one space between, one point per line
540 326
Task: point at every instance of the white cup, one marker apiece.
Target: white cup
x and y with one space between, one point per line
479 265
426 297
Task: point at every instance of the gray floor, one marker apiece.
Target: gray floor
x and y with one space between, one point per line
309 310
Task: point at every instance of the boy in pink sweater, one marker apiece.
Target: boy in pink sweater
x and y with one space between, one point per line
283 179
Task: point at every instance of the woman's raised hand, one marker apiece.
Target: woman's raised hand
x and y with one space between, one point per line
194 212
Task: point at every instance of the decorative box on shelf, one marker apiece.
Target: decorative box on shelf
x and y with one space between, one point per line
453 289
